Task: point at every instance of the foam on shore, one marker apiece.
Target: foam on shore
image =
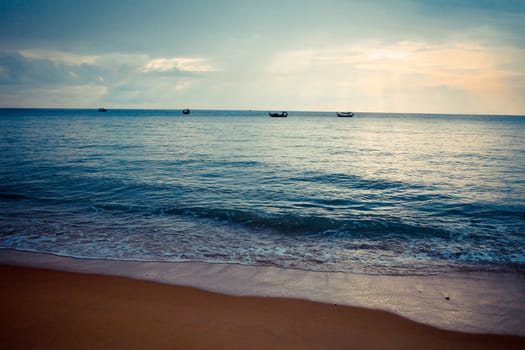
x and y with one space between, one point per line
469 302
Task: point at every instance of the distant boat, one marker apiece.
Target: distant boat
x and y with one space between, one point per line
278 115
101 109
186 111
345 114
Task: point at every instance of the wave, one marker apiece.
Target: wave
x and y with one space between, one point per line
325 217
351 181
13 196
297 225
480 210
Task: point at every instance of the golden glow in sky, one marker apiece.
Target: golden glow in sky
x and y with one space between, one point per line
427 56
408 74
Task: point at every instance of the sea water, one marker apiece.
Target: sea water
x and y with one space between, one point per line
377 193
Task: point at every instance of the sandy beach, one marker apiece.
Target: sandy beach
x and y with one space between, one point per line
63 310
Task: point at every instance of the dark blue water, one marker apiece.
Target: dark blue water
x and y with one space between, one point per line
377 193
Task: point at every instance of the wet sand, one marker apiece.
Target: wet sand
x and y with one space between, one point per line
470 302
63 310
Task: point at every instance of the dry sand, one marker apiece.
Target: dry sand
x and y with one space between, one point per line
469 302
46 309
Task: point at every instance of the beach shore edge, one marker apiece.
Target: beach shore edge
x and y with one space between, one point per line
482 303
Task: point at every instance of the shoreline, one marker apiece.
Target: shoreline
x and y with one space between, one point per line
63 310
483 303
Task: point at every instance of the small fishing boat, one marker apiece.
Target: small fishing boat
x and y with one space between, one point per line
278 115
102 109
345 114
186 111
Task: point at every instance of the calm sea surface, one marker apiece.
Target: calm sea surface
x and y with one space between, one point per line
377 193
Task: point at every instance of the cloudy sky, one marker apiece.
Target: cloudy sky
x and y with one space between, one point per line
435 56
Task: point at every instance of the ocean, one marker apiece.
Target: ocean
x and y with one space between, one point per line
379 193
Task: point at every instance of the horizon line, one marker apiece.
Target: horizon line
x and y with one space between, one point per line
254 110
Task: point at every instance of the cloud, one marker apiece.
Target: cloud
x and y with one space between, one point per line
462 66
58 56
21 68
182 64
29 77
403 76
42 79
366 75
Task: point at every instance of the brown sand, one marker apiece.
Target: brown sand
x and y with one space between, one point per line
44 309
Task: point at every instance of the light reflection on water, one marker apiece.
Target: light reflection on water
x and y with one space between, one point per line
373 193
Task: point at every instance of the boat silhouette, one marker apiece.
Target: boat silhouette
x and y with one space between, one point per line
278 115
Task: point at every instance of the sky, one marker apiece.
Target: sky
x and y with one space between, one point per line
405 56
